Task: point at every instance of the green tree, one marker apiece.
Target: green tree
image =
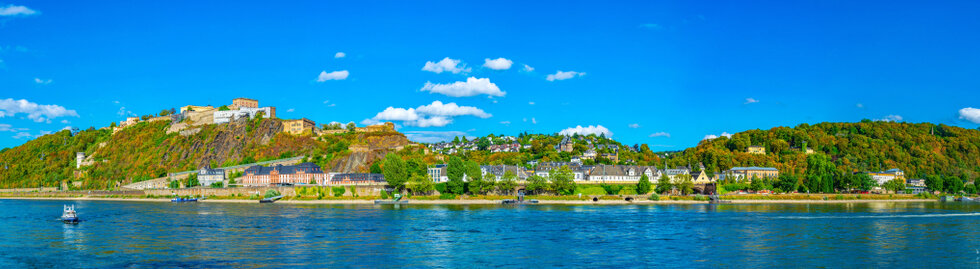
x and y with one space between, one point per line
455 171
192 180
164 113
351 127
863 182
507 182
376 168
562 181
421 184
643 186
536 184
684 184
174 184
663 184
394 171
455 140
416 166
820 173
894 185
952 184
934 183
474 176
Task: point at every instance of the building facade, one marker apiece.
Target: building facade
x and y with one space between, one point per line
230 115
352 179
244 102
297 127
757 150
207 176
748 173
303 173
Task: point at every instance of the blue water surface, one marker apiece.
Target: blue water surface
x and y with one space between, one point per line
218 235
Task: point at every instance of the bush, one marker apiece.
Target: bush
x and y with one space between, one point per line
271 193
441 187
217 185
447 196
338 191
627 190
384 195
654 197
700 198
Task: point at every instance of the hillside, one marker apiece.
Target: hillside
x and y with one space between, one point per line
146 150
918 148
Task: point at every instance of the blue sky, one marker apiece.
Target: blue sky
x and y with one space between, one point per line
665 73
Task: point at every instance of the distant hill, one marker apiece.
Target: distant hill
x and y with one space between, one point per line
918 148
146 150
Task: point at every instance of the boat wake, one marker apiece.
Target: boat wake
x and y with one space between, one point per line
883 216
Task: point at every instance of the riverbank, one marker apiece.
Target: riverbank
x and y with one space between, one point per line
480 201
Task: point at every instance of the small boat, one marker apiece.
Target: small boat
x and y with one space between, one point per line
270 199
181 200
397 201
69 216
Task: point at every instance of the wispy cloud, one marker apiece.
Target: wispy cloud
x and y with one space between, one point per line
661 134
562 75
335 75
890 118
505 122
12 10
446 65
290 110
42 81
471 87
859 105
635 125
339 55
433 136
750 100
527 68
497 64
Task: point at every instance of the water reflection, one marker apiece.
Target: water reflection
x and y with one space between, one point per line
121 234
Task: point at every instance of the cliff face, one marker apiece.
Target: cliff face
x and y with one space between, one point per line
153 149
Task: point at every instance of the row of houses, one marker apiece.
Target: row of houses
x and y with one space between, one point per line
608 173
280 175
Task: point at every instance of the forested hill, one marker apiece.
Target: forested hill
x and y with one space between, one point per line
147 150
918 148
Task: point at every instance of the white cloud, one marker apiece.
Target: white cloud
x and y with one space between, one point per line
42 81
433 136
12 10
497 64
711 136
123 112
561 75
596 130
659 134
890 118
38 113
20 135
290 110
505 122
527 68
65 122
860 105
635 125
534 121
530 103
750 100
471 87
340 55
446 65
437 108
335 75
436 114
970 114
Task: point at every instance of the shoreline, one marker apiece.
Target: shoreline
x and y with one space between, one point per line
484 202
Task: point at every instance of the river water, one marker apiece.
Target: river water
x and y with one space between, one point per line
216 235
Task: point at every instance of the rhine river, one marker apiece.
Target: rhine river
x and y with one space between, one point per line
219 235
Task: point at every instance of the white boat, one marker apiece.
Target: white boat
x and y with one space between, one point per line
69 216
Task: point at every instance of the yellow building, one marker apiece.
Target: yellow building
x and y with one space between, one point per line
299 126
245 102
743 173
757 150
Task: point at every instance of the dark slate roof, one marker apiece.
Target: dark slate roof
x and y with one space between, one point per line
309 168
